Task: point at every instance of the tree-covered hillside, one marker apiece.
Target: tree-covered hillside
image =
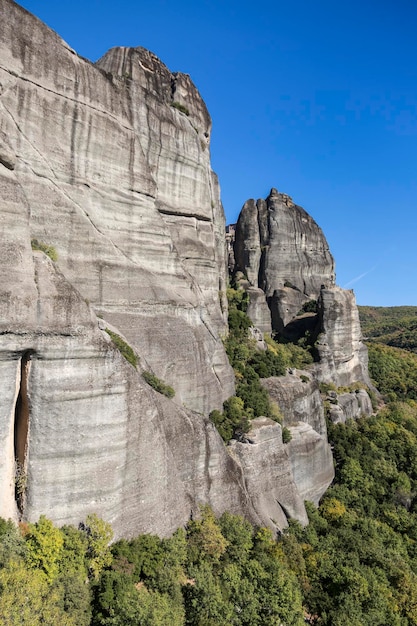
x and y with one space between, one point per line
395 326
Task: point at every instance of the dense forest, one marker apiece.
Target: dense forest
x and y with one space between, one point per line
355 563
394 326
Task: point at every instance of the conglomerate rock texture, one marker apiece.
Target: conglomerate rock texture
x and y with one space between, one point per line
107 166
96 162
281 249
283 254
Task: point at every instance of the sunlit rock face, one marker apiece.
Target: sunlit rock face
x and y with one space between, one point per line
343 356
298 397
119 181
108 164
266 464
85 430
281 249
283 261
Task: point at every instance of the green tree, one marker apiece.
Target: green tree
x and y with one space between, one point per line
99 534
44 544
28 599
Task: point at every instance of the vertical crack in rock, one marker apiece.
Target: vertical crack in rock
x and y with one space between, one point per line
21 433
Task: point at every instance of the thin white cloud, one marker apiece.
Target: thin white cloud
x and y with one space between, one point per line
358 278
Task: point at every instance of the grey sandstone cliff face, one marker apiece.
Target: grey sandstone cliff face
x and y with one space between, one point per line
95 161
308 451
343 356
280 249
283 254
109 164
283 261
96 437
119 182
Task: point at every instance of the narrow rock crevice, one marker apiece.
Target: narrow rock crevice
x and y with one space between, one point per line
21 433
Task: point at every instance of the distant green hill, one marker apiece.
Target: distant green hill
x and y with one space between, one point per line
394 326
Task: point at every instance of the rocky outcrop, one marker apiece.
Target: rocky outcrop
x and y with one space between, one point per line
298 397
109 167
94 437
118 154
268 473
343 357
282 261
282 250
350 405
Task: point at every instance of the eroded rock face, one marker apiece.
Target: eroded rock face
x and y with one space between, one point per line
343 355
282 253
298 397
119 182
282 250
269 477
352 405
98 163
109 164
96 437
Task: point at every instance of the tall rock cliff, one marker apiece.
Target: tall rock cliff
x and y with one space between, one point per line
284 263
108 165
119 182
106 168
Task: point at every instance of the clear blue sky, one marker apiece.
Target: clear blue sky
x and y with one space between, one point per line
315 97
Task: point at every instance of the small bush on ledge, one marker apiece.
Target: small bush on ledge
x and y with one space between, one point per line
123 348
180 107
159 385
43 247
286 435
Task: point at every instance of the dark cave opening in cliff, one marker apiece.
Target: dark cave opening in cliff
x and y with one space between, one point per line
21 432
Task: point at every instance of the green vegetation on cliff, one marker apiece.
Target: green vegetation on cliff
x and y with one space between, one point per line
250 365
355 563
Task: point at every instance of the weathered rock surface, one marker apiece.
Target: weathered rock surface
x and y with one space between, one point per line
109 164
137 221
283 261
283 254
96 162
258 310
343 355
298 397
99 439
352 405
268 473
282 250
